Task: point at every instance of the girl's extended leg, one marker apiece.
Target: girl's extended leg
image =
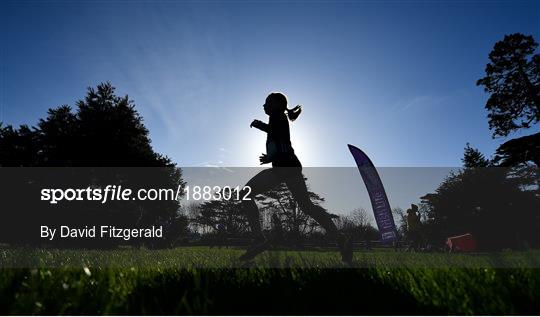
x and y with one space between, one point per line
297 185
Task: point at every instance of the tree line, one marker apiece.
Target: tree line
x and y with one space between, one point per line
496 199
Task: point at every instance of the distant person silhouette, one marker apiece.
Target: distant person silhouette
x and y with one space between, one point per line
286 168
414 224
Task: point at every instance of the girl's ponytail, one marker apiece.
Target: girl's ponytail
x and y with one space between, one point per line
293 113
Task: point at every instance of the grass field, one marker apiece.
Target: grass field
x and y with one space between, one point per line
200 280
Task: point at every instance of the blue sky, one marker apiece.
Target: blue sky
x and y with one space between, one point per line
396 79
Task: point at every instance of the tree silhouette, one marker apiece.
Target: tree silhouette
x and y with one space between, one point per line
222 216
18 147
497 205
220 221
112 131
519 150
58 137
485 202
104 130
473 158
298 225
513 82
357 225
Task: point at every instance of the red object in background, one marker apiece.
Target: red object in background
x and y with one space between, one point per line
462 243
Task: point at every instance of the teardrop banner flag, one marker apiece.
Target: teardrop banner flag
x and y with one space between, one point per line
377 195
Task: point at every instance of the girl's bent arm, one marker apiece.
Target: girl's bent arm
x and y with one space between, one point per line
260 125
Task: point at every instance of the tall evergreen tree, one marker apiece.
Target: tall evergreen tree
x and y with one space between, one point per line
513 82
473 158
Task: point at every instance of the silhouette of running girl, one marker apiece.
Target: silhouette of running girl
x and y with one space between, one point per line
286 168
